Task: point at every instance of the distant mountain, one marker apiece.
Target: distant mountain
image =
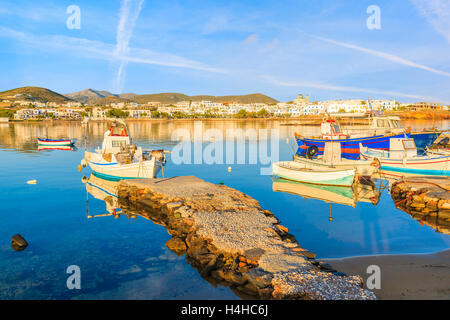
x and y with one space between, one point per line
110 99
177 97
102 97
33 94
127 95
89 95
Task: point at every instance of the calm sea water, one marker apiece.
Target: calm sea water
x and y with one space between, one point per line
128 259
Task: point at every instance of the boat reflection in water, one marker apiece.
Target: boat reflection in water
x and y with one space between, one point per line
60 148
364 190
107 191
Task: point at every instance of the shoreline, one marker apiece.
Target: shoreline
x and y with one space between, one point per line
403 276
418 115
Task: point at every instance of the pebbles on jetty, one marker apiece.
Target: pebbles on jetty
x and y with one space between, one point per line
426 199
232 241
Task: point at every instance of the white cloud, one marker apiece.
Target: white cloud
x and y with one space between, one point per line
129 13
252 39
384 55
437 14
331 87
100 50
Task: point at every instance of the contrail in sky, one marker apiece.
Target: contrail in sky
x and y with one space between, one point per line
129 13
384 55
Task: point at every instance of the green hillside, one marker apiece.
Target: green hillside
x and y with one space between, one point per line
33 94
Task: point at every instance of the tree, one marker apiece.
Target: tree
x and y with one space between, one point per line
117 113
262 113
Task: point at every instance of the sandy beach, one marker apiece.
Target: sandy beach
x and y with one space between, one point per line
405 277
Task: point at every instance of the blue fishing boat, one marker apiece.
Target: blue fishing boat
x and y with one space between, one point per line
350 143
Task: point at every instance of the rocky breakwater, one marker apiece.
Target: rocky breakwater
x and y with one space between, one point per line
232 241
426 199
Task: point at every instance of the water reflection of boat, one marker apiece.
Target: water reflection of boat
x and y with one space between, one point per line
107 191
120 159
61 148
362 191
403 158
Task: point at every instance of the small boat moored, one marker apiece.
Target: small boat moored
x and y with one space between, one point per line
120 159
402 158
55 142
303 172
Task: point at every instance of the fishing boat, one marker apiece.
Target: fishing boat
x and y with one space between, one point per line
332 158
120 159
350 142
309 173
55 142
441 146
402 158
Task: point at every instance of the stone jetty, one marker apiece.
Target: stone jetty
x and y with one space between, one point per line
426 199
232 241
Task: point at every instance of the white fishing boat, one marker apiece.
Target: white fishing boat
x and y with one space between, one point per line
120 159
402 158
304 172
332 158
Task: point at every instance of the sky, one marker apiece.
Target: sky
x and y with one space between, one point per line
328 49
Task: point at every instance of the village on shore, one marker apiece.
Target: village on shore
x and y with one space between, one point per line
20 107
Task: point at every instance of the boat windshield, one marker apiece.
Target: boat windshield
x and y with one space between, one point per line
336 128
395 124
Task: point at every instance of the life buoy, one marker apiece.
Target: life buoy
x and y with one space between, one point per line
311 152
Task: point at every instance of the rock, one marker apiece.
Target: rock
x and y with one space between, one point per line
254 254
177 245
18 243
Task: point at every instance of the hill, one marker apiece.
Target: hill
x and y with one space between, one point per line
177 97
101 97
110 99
33 94
89 95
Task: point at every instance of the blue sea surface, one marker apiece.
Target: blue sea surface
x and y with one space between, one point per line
127 259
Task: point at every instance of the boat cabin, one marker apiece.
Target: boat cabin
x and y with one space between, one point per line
116 139
402 148
382 124
331 130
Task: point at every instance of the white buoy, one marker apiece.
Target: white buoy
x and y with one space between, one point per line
32 181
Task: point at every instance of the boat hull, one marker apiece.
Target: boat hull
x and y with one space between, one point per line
362 167
55 142
432 166
350 148
289 171
114 170
424 139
